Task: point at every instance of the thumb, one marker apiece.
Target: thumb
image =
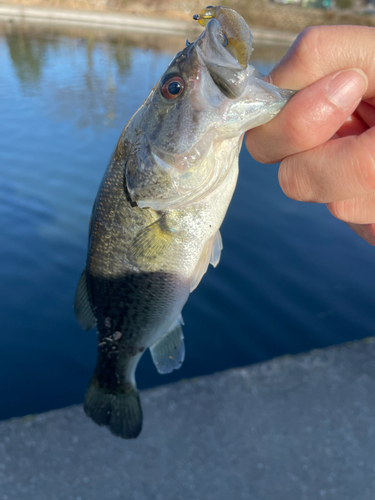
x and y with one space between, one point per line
310 118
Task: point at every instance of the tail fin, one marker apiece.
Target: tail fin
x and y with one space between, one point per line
120 410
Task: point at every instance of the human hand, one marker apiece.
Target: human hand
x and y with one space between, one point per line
325 136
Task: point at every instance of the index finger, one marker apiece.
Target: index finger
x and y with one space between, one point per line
321 50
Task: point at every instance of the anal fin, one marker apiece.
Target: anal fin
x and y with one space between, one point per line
82 307
168 353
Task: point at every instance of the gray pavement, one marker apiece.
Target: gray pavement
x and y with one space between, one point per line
294 428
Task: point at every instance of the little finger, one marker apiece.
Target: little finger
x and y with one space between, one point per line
365 231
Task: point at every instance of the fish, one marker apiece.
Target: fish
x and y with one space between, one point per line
155 223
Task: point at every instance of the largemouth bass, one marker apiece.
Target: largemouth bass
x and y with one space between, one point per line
155 223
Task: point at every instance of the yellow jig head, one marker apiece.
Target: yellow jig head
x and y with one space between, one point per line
234 28
206 14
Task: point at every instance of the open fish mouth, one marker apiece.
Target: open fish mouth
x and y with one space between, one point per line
225 57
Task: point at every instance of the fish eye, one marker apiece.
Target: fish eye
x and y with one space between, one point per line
173 87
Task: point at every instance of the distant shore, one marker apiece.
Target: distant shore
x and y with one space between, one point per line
141 28
258 13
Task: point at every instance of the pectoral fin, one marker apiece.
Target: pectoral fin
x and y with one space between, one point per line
82 307
153 240
168 353
210 255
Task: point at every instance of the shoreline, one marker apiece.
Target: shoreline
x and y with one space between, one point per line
102 19
267 19
10 13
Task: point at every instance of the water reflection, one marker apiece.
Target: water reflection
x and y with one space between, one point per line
27 54
102 61
280 287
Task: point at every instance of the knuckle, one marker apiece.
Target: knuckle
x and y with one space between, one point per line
261 156
306 38
358 210
343 210
307 46
257 148
365 169
294 184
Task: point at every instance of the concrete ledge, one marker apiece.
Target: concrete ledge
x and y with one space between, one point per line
117 21
294 428
93 18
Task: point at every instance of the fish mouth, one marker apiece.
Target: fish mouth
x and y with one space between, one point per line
222 54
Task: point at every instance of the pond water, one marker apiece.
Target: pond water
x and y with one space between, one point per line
291 277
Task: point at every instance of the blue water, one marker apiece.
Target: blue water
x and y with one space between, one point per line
291 277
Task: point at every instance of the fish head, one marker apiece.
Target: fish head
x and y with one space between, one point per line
208 94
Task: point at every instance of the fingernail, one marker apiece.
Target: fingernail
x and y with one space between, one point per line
347 87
